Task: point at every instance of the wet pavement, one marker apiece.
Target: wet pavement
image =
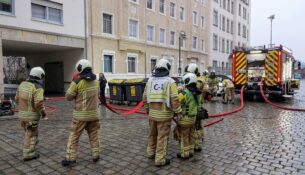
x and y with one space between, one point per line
258 140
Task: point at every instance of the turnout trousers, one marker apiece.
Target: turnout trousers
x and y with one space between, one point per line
186 140
30 138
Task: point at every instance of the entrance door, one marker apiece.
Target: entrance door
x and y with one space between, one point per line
54 81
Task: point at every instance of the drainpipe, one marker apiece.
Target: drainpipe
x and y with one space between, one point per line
85 25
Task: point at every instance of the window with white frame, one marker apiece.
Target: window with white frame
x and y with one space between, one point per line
172 9
172 38
215 42
202 45
162 36
107 23
224 4
232 26
231 46
215 18
202 22
223 24
162 6
194 42
194 18
239 10
223 45
108 63
133 28
131 64
181 13
244 13
149 4
150 33
228 7
7 6
244 31
47 11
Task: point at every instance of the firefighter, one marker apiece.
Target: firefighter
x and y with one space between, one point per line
229 91
205 76
29 97
201 84
84 91
213 85
189 100
161 102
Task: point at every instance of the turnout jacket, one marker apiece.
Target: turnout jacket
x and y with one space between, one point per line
190 105
29 97
85 93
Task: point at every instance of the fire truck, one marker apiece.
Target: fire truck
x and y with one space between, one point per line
274 65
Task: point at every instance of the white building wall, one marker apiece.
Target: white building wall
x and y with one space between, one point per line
73 18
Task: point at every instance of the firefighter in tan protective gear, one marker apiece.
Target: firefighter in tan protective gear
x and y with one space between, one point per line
190 103
213 85
84 91
205 76
229 91
201 86
161 102
29 97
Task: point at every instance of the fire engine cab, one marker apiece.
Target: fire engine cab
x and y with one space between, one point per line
274 65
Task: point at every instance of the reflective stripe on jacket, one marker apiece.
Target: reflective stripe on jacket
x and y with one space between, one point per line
85 93
226 83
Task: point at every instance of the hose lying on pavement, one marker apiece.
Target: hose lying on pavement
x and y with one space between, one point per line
275 105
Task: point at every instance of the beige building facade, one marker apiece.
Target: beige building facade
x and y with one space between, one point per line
126 38
49 34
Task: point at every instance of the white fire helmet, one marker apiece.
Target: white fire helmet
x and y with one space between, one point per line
189 78
37 72
163 63
192 68
82 64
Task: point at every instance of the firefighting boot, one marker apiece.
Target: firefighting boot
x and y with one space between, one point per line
36 156
152 156
167 162
198 149
67 163
180 157
96 159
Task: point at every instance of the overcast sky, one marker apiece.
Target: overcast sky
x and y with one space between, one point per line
288 25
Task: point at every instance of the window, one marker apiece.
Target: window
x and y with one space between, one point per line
228 7
47 11
239 10
215 63
222 65
172 9
244 13
107 23
150 33
202 22
135 1
224 4
232 7
149 4
133 28
231 46
162 36
223 45
215 18
194 43
232 27
172 38
181 13
194 18
228 25
153 63
228 46
215 42
223 23
131 64
6 6
162 6
108 63
244 31
202 45
227 65
239 29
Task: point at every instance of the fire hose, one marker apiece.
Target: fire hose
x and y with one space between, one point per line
275 105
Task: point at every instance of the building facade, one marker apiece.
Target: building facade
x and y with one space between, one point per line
229 28
126 38
49 34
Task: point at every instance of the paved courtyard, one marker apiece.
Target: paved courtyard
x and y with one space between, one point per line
258 140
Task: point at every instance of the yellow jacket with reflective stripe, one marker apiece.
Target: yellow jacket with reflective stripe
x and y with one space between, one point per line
226 83
158 111
189 108
29 97
85 93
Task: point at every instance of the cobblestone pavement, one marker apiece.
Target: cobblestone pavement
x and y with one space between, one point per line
258 140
